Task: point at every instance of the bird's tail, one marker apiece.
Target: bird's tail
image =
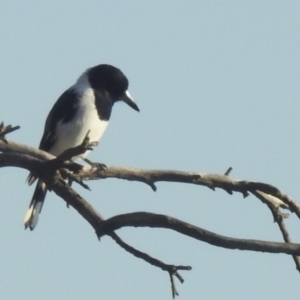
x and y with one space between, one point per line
36 204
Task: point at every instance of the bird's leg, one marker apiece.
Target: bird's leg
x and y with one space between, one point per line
70 181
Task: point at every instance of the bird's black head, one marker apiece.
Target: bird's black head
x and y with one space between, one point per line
113 81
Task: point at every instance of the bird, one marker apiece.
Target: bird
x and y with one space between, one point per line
84 108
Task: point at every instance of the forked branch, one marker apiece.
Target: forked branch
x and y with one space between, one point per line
53 170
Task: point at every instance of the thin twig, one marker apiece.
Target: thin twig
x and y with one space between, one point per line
171 269
6 130
228 171
278 217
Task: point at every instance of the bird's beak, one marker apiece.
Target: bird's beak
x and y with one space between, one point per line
127 98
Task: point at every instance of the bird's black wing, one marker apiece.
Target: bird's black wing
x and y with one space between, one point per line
63 111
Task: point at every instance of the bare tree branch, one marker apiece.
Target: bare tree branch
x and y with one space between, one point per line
144 219
211 181
95 219
171 269
14 147
279 217
82 206
52 170
150 177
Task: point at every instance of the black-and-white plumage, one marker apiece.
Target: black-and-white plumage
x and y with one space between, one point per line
85 106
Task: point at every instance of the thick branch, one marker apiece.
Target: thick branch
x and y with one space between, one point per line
11 146
151 220
144 219
211 181
150 177
24 161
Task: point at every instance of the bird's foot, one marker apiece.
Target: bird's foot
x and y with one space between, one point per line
99 166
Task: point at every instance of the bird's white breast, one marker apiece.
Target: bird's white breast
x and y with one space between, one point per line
86 119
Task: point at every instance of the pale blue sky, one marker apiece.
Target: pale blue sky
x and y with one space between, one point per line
217 83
